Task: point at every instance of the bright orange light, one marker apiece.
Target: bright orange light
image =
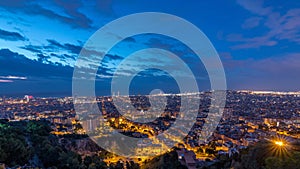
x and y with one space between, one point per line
279 143
280 147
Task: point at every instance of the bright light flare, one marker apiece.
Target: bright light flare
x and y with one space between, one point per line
279 143
280 147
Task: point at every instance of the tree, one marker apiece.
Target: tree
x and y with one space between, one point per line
13 146
69 160
273 162
87 161
266 154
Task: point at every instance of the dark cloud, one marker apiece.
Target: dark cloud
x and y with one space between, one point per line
82 22
72 48
63 56
75 49
43 58
54 43
43 79
72 51
72 9
15 63
113 57
44 53
12 36
52 47
57 56
69 56
32 48
73 17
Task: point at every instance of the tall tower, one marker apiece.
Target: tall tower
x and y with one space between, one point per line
26 97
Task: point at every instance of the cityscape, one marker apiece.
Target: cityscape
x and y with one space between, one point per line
249 117
139 84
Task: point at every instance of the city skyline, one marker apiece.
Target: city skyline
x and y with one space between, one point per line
250 119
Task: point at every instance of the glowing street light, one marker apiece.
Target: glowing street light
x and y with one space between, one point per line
280 147
279 143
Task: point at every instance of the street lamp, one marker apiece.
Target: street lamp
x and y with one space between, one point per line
279 143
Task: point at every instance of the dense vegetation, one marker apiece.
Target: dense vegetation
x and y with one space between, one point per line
266 155
263 155
165 161
13 147
31 143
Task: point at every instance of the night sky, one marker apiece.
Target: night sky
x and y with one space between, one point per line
258 43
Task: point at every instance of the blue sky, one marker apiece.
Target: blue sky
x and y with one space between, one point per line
258 42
